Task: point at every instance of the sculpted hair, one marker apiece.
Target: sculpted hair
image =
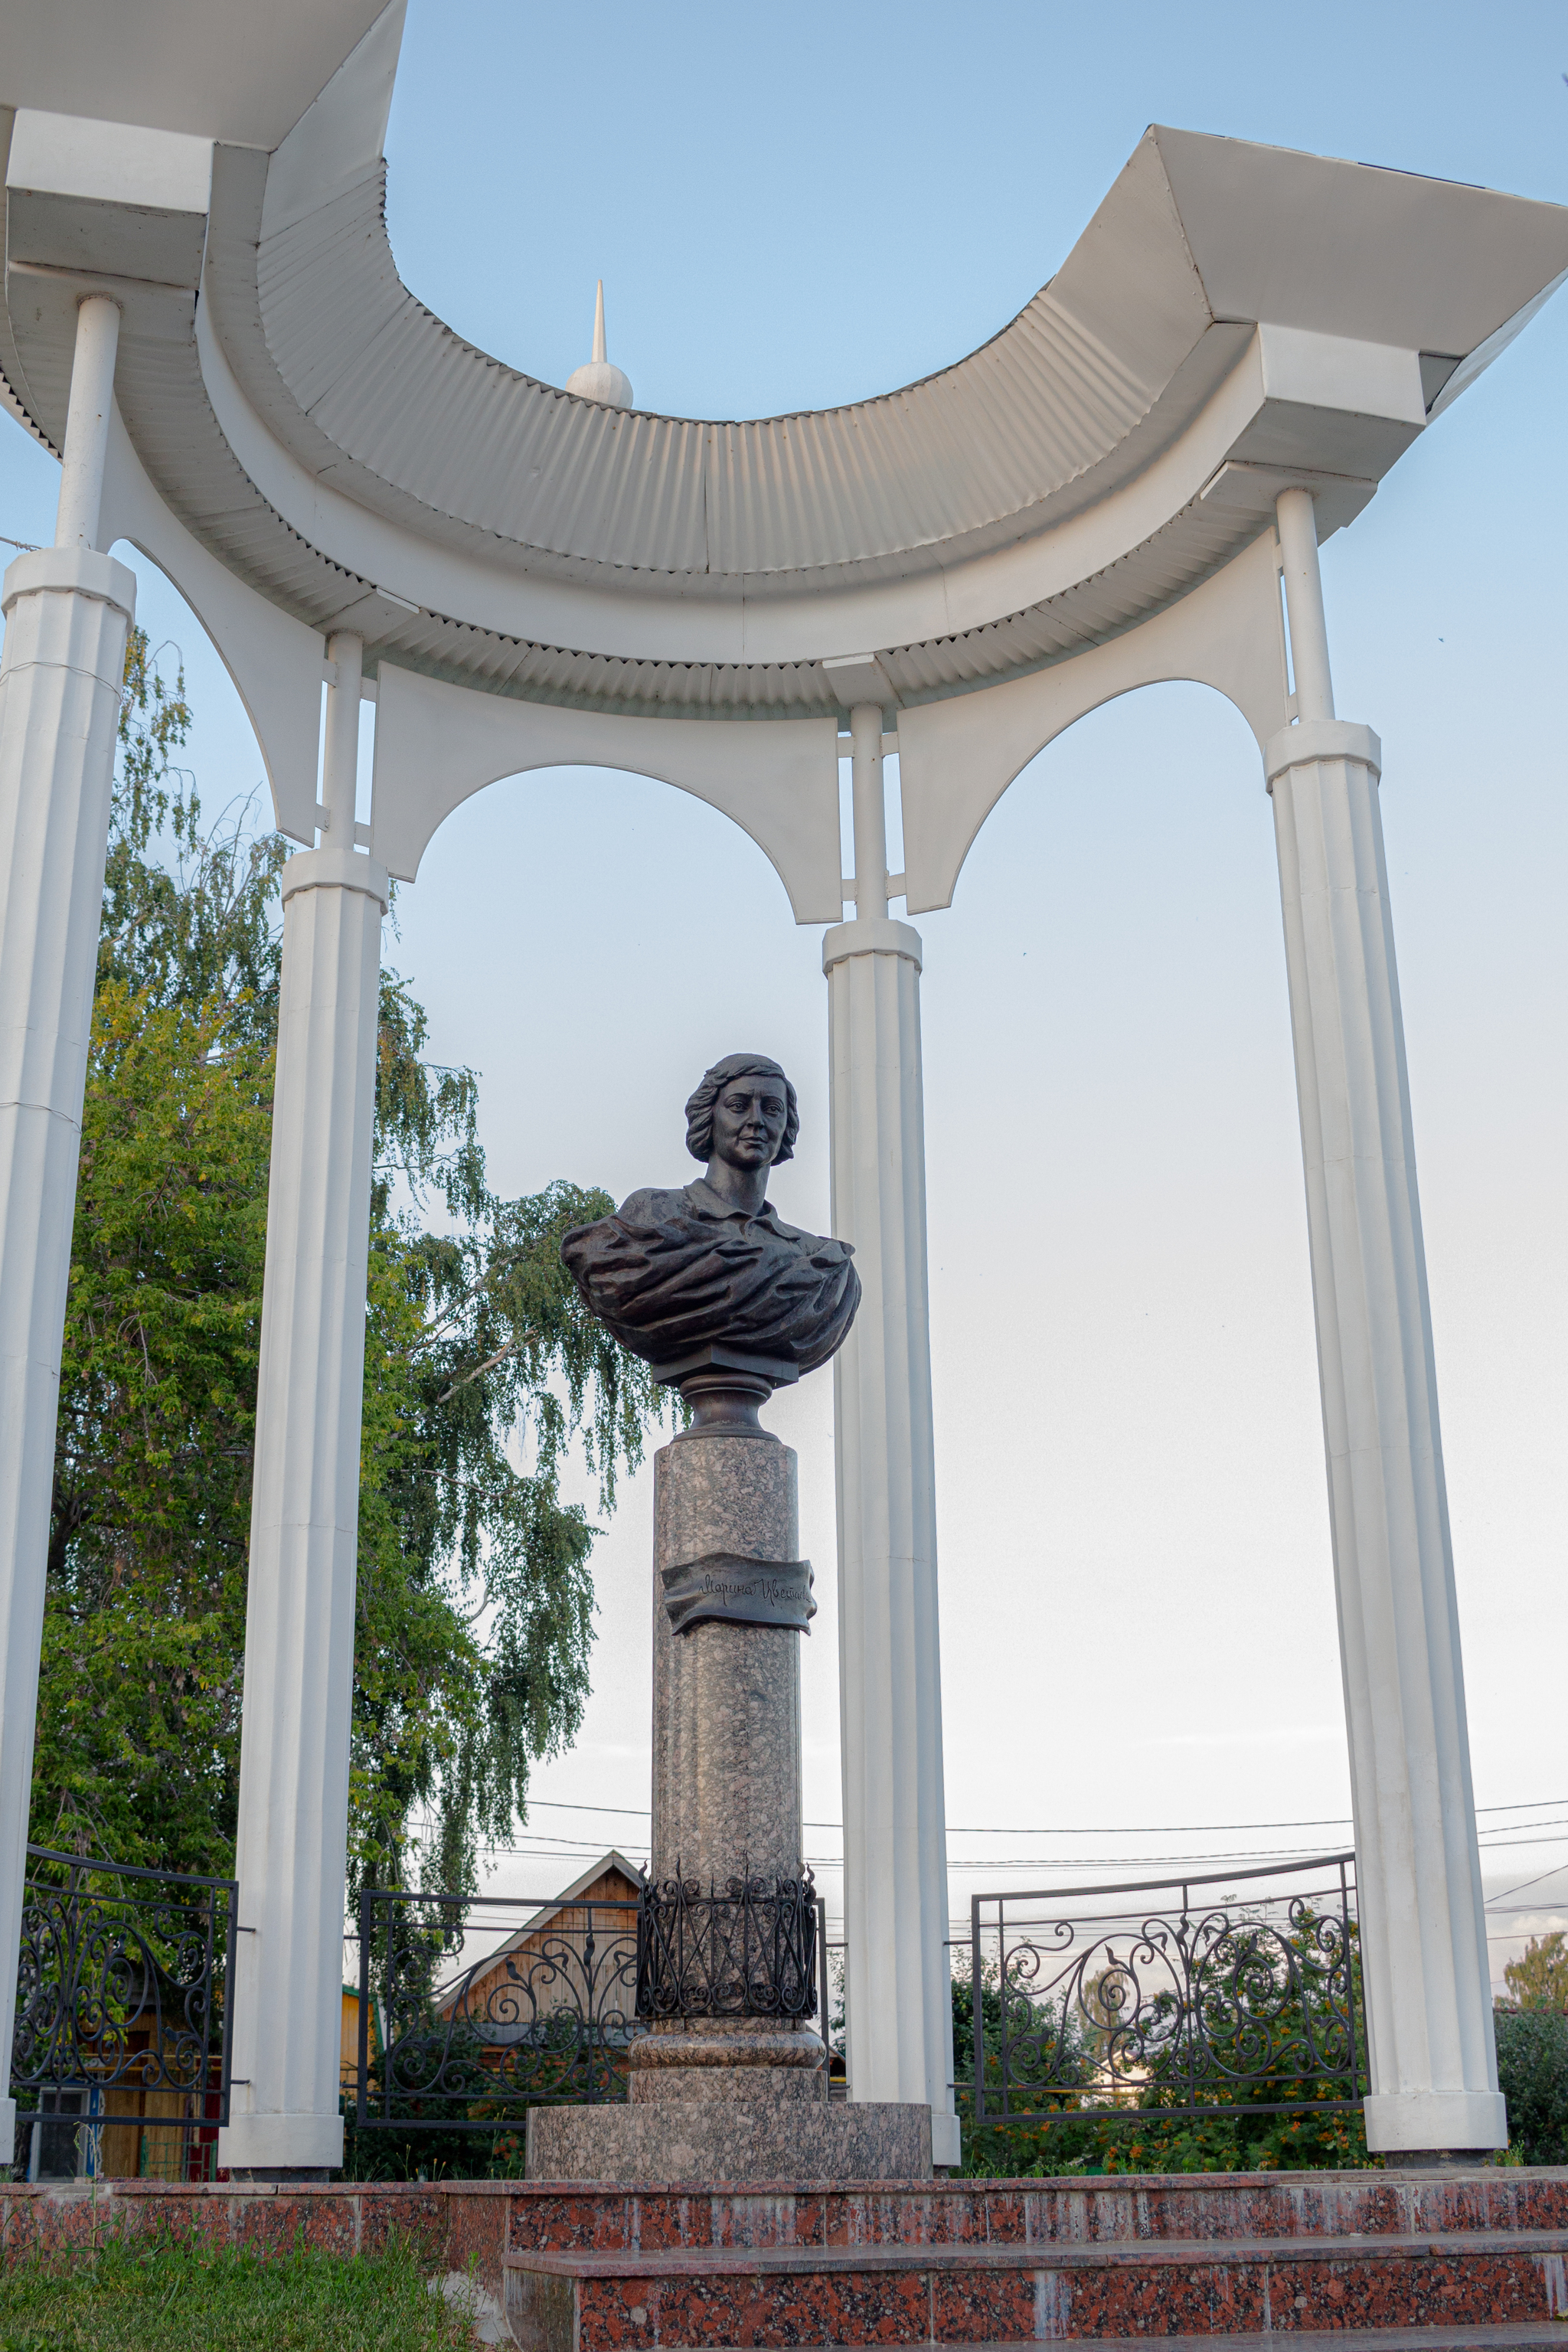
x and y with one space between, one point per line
699 1109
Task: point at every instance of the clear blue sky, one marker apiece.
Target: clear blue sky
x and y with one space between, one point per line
791 207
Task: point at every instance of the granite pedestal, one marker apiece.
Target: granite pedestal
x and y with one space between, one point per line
727 2098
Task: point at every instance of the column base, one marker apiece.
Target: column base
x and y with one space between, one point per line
1456 2125
946 2138
280 2146
7 2131
752 2067
787 2139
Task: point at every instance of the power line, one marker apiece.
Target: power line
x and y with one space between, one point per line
1145 1829
1527 1882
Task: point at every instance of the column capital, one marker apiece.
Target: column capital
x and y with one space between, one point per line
336 869
1321 738
79 570
872 935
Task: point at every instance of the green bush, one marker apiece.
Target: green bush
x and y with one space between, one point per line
1532 2073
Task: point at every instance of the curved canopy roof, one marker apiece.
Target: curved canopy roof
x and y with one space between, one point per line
1232 316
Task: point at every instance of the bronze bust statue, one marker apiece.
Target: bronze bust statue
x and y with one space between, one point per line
705 1281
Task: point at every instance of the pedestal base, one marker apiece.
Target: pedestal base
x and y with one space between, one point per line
790 2139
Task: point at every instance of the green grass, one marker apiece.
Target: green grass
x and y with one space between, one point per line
171 2298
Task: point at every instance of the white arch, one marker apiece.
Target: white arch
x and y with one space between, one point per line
956 757
274 660
437 744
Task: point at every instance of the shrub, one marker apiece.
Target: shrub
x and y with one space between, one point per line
1533 2073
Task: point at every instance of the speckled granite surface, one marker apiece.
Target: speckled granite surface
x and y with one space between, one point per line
728 2141
726 1698
1380 2260
726 1772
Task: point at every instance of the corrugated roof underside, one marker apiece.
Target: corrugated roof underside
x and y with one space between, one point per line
402 396
167 410
1193 544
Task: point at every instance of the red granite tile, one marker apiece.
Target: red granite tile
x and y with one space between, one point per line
473 2231
209 2219
1441 2204
68 2223
742 2309
327 2224
904 2216
22 2233
558 2222
1167 2299
983 2306
1006 2214
618 2315
659 2222
842 2219
263 2225
945 2218
784 2217
187 2220
1419 2291
416 2213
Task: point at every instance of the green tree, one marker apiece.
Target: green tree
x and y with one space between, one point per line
1538 1978
475 1602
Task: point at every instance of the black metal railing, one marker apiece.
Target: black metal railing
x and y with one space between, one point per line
457 2039
473 2008
120 2050
1241 1986
748 1948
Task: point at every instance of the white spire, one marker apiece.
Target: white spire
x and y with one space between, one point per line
599 380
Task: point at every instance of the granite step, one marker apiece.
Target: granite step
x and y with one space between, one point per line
1523 2334
647 2301
559 2216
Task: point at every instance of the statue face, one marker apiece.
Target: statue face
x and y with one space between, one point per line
749 1121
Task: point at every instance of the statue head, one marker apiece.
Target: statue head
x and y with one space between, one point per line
708 1097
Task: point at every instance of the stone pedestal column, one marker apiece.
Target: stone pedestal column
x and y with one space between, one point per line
299 1623
68 609
899 1998
1418 1878
726 1756
726 2096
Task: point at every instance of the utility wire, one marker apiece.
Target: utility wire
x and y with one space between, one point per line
1144 1829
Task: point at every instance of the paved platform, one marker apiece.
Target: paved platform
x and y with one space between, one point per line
1366 2262
1351 2258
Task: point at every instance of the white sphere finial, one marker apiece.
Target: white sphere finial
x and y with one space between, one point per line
599 380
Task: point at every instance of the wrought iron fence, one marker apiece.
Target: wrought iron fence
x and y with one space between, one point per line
456 2041
121 2050
472 2010
749 1948
1241 1986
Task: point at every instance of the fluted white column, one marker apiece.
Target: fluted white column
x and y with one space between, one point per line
1432 2064
68 609
299 1624
898 1992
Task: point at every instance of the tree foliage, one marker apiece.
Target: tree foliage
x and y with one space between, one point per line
1538 1978
475 1601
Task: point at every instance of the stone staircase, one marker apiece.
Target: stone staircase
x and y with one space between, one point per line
1382 2259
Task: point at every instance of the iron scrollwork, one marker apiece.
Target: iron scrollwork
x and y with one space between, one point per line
465 2046
1189 2007
121 1986
746 1949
